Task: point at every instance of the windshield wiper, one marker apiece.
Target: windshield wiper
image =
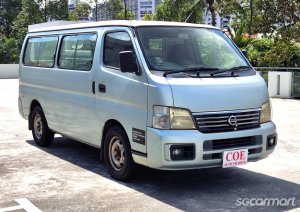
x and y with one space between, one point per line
233 70
191 69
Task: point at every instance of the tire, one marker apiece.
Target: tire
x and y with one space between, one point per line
117 155
41 133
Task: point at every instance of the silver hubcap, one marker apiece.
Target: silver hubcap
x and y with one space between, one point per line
116 153
38 126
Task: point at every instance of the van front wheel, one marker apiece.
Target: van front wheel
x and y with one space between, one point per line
117 155
41 133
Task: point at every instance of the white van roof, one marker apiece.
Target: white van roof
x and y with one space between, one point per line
65 25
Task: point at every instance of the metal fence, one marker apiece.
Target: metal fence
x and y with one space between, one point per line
295 76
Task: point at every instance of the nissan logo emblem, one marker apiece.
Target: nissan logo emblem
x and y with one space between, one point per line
232 120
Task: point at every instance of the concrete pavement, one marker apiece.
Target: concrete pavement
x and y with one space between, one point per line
69 177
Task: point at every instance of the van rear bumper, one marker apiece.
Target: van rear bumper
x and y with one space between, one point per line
160 143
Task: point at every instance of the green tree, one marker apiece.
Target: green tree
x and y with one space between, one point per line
185 10
147 17
121 15
290 32
239 36
283 53
9 9
180 10
82 10
274 52
30 14
257 51
114 8
265 17
9 52
57 10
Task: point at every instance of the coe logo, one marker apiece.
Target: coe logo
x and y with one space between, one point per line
232 121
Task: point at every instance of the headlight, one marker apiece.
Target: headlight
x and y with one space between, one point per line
161 117
172 118
266 112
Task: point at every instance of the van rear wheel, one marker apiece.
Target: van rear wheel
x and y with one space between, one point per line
117 155
41 133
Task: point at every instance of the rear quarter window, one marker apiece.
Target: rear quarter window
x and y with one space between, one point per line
40 51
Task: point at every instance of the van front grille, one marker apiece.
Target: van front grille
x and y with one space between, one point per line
231 143
226 121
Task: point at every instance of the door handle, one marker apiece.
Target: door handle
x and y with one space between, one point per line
93 87
102 88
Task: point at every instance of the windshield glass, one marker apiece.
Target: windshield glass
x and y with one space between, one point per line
177 48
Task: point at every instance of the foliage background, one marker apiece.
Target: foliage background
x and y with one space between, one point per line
268 30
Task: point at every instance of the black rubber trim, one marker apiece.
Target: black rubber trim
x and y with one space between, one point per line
139 153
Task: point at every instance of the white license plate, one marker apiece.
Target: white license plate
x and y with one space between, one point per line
235 157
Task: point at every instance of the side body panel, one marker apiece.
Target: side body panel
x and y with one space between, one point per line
65 95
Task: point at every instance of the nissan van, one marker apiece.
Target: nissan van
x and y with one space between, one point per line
166 95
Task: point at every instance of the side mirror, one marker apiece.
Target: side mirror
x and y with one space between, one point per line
128 62
244 51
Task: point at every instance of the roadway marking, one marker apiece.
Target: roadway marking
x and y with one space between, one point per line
23 204
13 208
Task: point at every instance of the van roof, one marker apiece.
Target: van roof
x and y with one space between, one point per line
65 25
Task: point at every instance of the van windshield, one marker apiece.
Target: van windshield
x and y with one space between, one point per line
178 48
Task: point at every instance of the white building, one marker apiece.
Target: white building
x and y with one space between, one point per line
132 6
145 6
140 7
221 22
71 4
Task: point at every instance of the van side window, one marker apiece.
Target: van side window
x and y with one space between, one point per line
40 52
115 43
77 52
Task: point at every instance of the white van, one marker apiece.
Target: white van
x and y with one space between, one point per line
165 95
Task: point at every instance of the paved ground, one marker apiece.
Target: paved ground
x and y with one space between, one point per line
69 177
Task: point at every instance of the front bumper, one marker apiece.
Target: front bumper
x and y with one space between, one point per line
159 142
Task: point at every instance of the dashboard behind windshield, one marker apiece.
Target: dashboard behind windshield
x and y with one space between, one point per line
177 48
